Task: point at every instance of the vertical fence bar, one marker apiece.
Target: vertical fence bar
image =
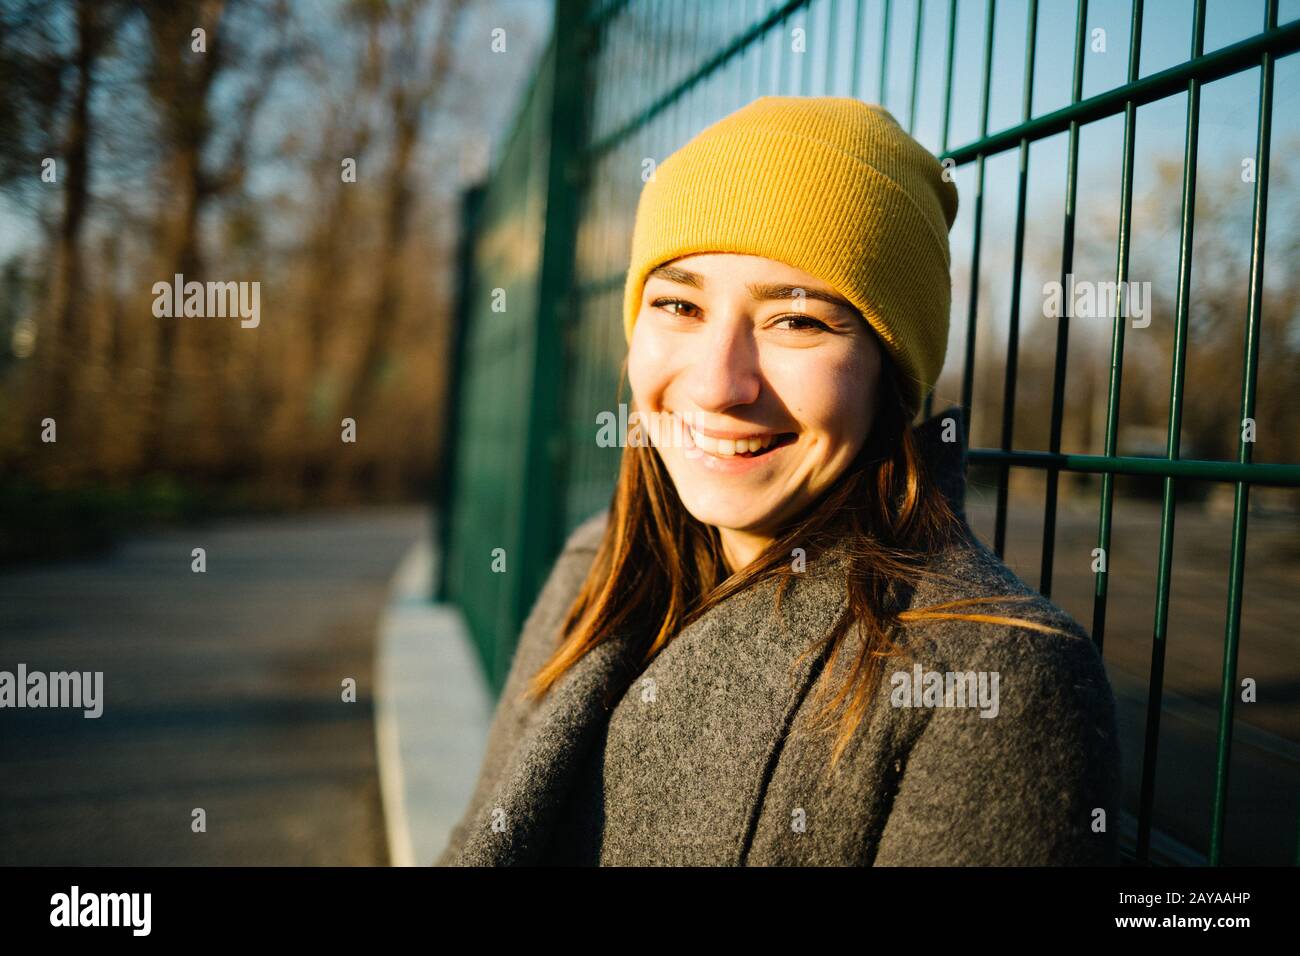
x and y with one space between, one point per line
809 46
470 204
1241 499
541 524
854 78
711 33
1167 511
742 69
943 134
1122 246
681 60
830 40
778 54
968 372
832 43
1017 275
674 39
622 58
1063 323
738 93
661 53
605 84
950 51
679 51
916 64
696 99
884 54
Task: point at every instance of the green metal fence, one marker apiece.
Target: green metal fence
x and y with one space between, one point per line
549 240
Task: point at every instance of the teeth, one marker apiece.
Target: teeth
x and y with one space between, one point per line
727 447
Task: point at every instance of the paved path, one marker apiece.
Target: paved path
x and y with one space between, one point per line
222 691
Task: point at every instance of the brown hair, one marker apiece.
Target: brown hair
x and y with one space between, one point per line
657 563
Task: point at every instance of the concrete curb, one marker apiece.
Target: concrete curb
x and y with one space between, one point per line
433 709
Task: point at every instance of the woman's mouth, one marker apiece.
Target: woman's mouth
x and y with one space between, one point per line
753 446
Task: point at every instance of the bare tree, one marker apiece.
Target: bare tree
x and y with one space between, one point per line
65 332
418 77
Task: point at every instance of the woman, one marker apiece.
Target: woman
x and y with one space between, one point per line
783 645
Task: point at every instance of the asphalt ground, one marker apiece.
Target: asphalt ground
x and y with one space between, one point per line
222 693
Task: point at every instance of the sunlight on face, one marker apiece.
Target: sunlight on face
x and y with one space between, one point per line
775 385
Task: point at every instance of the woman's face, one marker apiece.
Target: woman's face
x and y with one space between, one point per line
771 373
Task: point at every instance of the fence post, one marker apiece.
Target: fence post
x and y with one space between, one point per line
445 489
543 512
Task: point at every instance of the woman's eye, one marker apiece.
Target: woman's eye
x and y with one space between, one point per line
665 303
802 323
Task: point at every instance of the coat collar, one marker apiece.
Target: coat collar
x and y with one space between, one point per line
941 442
520 814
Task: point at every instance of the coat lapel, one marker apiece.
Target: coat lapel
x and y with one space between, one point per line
689 751
516 821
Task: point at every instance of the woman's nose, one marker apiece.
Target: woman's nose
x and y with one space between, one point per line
725 373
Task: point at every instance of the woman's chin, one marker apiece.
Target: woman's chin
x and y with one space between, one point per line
730 518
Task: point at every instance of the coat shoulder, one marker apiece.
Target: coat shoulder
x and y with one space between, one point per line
1055 741
586 536
568 571
969 569
567 574
1022 628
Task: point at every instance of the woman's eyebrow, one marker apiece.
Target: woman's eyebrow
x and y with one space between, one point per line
759 291
682 276
763 291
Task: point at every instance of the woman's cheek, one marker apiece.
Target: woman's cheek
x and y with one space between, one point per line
648 364
837 402
639 366
818 389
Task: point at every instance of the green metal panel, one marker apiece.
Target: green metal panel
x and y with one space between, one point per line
554 229
485 512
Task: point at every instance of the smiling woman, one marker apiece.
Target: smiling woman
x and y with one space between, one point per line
783 644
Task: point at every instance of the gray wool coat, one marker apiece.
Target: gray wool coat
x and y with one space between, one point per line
700 761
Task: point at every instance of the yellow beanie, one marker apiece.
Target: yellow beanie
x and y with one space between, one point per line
829 185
